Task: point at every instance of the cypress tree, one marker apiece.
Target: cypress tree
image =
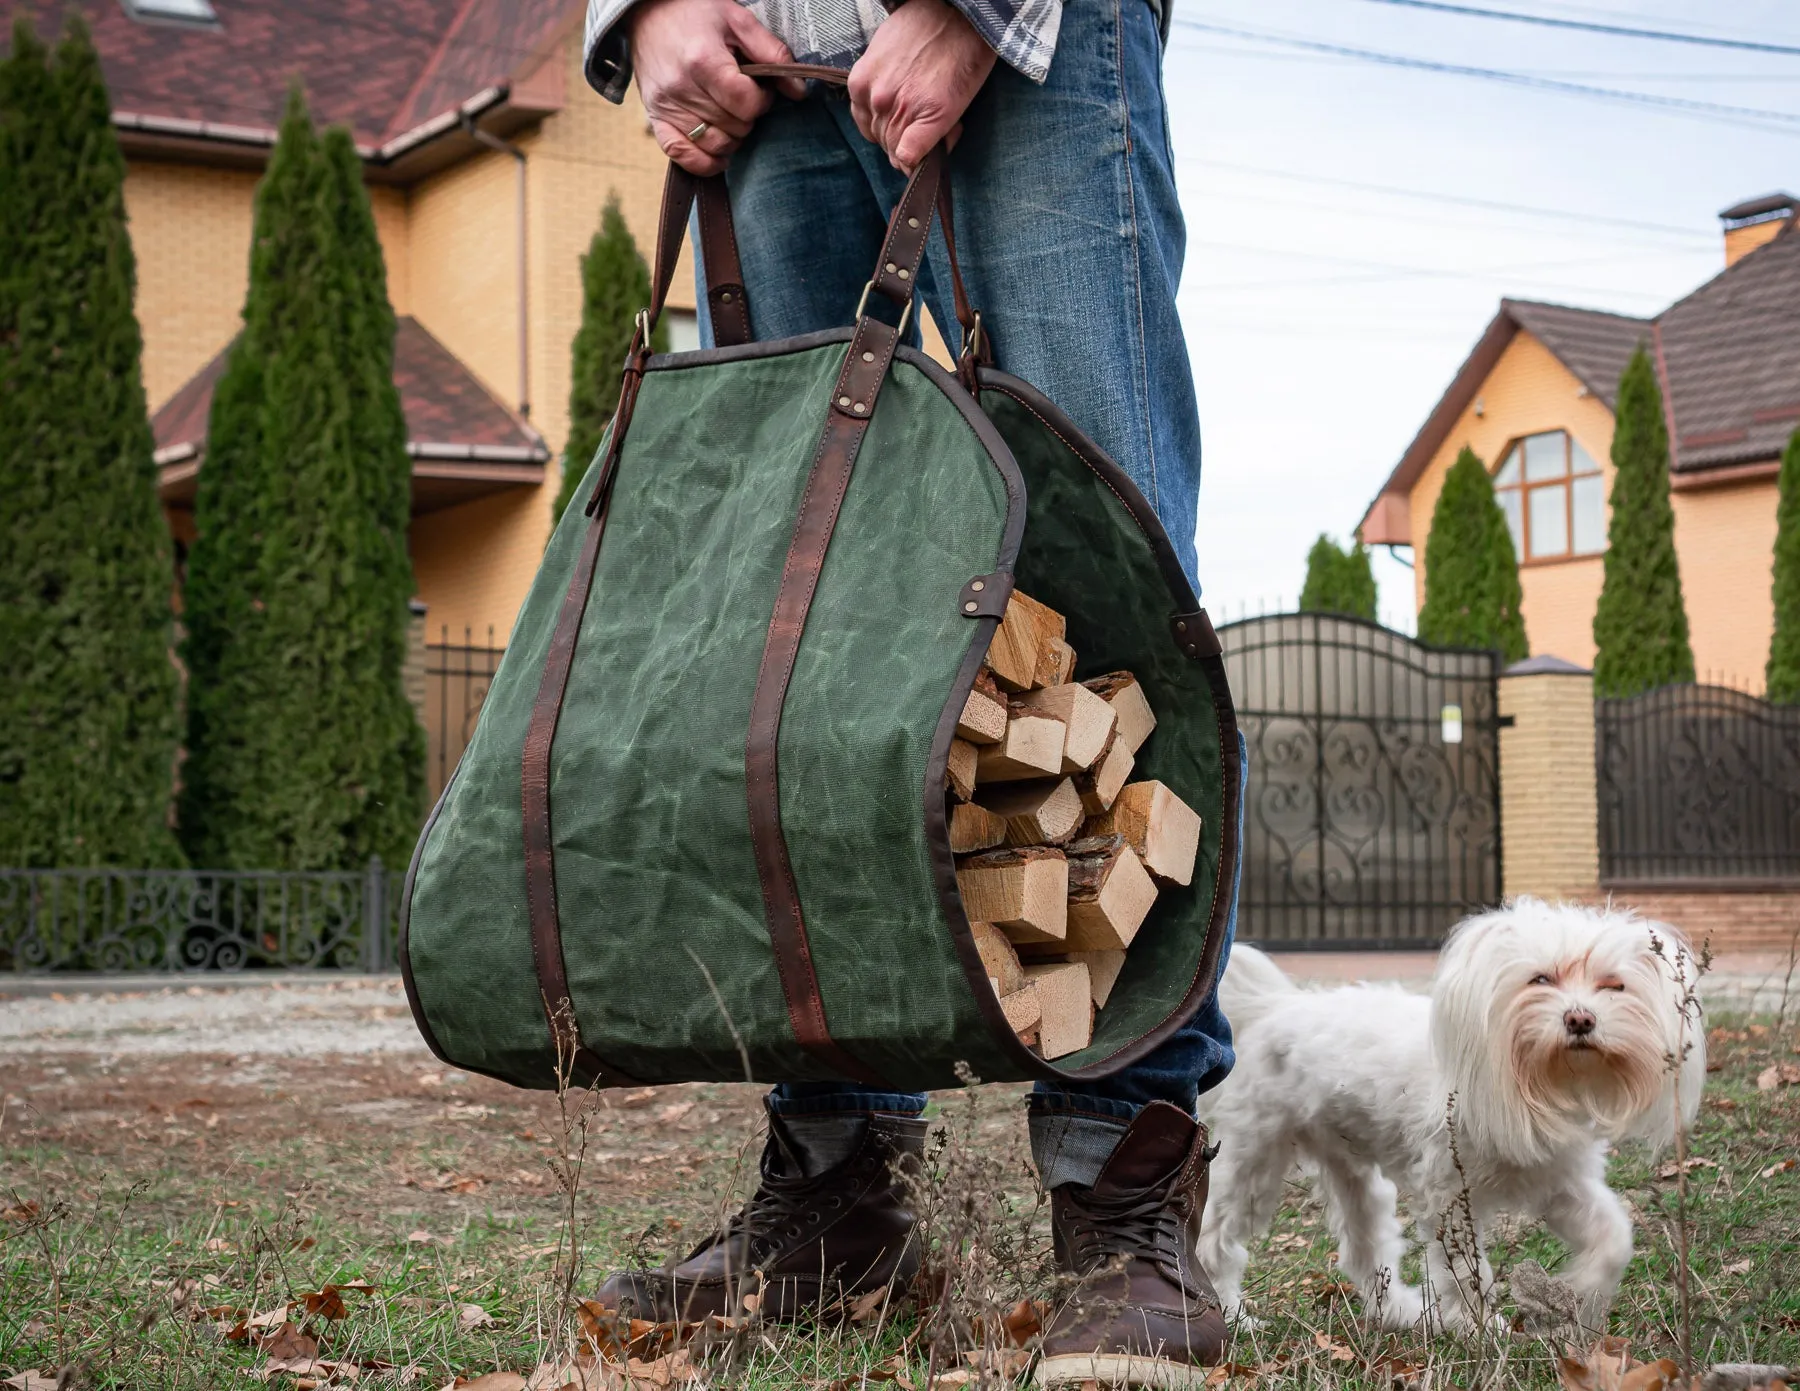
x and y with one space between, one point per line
1783 673
303 750
1472 595
89 706
615 285
1339 581
1640 625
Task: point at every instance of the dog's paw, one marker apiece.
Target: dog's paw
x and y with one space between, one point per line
1401 1307
1240 1317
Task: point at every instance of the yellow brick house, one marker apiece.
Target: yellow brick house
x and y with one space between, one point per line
487 159
1534 400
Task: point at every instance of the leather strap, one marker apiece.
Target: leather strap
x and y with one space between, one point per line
540 856
726 303
854 396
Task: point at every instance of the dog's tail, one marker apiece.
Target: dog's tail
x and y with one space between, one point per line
1253 986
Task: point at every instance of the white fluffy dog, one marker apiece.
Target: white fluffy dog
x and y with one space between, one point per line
1551 1031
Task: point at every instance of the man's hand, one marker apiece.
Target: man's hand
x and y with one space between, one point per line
686 53
920 72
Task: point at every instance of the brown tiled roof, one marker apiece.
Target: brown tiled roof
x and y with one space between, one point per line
1592 345
1728 356
1730 359
449 414
381 67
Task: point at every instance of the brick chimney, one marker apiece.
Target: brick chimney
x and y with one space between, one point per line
1754 223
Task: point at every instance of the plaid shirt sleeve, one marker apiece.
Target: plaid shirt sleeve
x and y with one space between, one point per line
1022 34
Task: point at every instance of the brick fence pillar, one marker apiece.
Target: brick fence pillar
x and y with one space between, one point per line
1549 812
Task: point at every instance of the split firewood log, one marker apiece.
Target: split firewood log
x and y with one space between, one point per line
1100 784
1066 1005
1024 1009
962 769
1031 748
1122 691
1110 894
1024 892
1026 630
1036 813
1088 721
1056 664
983 720
1103 972
973 827
999 958
1163 829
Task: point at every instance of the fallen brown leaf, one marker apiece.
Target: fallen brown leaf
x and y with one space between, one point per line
21 1212
1778 1075
489 1381
31 1380
1782 1167
1024 1321
290 1343
472 1316
1738 1267
1697 1162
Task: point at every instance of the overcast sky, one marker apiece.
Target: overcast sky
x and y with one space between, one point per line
1327 308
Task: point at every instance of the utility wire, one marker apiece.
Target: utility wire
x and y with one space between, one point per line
1740 115
1594 27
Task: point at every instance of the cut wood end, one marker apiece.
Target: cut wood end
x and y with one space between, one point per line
999 958
1036 813
1023 1008
983 719
1103 972
1031 748
1163 829
1065 998
961 769
1125 693
1101 784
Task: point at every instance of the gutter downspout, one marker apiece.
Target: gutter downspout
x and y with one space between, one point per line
505 147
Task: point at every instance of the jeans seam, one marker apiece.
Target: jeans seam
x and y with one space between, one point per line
1141 368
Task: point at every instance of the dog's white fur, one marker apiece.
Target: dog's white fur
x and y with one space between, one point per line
1356 1084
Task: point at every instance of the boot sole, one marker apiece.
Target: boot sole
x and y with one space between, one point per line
1117 1369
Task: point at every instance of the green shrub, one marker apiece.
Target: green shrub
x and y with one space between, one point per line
1783 673
615 285
304 752
1640 626
1472 596
89 708
1339 581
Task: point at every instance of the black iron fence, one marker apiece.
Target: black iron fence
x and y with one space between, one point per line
197 920
457 677
1373 812
1697 784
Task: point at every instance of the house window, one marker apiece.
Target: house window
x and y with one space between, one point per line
1554 497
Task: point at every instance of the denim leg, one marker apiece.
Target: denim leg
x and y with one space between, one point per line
1072 244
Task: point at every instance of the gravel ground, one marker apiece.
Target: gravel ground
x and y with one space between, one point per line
358 1017
368 1015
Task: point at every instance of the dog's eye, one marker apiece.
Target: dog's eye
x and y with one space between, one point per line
1541 979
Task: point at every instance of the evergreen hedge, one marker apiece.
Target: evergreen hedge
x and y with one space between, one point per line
1640 625
1472 595
615 284
89 706
1339 581
1783 672
304 752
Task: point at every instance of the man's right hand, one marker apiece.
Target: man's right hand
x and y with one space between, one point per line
686 53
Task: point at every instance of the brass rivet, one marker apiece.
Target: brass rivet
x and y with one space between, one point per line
912 222
890 266
725 295
1181 625
971 606
904 273
1193 651
859 408
843 400
977 585
868 357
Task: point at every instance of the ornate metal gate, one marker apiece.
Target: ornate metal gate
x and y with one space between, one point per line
1373 817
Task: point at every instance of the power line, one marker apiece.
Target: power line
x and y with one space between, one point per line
1738 115
1593 27
1484 204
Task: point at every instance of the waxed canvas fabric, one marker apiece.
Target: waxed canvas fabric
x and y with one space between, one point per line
664 932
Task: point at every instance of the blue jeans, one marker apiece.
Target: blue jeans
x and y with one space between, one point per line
1071 242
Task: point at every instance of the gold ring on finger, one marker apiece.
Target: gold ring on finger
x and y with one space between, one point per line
699 130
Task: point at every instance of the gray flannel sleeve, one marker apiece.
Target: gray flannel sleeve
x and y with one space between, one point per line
608 49
1021 32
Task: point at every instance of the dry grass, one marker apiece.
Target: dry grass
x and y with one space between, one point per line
141 1195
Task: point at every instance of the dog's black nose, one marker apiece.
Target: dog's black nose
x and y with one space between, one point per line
1579 1022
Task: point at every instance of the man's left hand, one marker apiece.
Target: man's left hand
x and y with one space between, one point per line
920 72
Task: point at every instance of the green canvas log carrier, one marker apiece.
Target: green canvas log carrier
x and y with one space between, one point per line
700 830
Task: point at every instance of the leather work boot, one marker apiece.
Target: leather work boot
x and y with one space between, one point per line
799 1241
1145 1313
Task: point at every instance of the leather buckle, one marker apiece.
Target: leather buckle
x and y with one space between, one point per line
905 312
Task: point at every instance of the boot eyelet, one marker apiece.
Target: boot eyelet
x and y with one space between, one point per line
813 1217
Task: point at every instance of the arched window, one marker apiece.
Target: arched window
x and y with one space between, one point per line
1554 497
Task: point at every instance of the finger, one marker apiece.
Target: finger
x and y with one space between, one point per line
744 98
687 154
862 106
713 140
758 45
689 107
917 139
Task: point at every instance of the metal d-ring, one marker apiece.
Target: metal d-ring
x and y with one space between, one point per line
905 313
